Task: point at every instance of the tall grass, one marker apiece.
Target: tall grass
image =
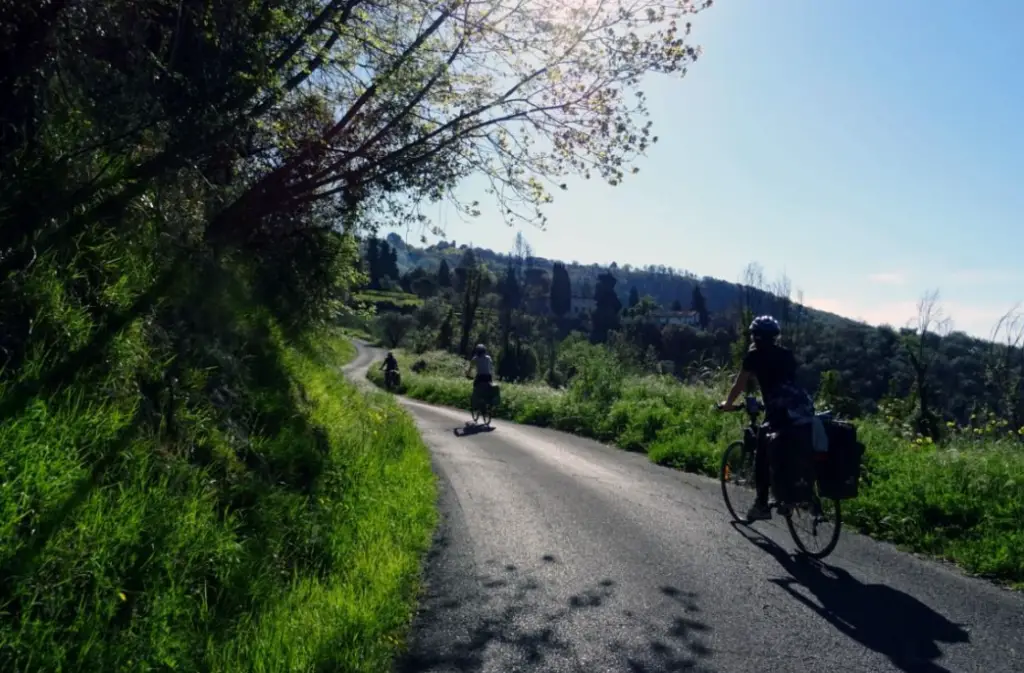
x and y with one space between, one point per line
963 501
286 538
396 298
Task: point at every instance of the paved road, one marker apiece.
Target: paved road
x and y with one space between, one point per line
559 554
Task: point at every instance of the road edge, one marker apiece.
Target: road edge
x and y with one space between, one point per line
1005 585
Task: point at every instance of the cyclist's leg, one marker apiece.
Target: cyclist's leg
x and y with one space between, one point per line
477 387
762 479
482 388
762 471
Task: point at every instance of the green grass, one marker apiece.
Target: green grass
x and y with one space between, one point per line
439 363
963 502
396 297
357 333
356 325
339 350
288 539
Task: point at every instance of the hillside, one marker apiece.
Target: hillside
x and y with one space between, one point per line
861 365
664 284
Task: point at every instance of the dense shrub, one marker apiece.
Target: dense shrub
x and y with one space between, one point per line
212 541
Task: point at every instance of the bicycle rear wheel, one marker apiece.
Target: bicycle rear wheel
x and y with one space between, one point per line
737 477
815 526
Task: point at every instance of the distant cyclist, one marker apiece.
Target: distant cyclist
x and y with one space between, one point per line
483 364
774 369
390 365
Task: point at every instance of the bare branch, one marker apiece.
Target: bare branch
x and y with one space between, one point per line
930 316
521 92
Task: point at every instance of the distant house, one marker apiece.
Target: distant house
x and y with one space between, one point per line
690 318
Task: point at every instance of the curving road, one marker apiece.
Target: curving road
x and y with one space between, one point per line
556 553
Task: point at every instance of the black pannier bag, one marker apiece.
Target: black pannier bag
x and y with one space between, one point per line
838 470
790 454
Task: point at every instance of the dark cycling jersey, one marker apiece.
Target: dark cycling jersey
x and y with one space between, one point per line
773 366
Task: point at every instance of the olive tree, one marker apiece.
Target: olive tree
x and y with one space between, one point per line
521 92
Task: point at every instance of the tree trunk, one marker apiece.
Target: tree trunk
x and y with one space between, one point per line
471 298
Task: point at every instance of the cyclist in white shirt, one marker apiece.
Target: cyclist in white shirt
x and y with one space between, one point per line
483 364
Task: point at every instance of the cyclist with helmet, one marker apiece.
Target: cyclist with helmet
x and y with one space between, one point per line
390 367
390 364
773 367
483 364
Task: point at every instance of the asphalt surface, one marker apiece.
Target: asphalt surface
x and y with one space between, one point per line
556 553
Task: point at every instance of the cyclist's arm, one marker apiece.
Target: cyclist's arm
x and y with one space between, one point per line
738 386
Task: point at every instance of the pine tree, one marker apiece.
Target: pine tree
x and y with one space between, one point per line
373 263
388 261
561 290
444 274
444 334
606 309
700 306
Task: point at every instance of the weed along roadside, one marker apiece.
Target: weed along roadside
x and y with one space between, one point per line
962 502
299 549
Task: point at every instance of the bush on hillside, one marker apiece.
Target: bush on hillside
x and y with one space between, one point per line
394 328
211 538
518 363
436 362
420 340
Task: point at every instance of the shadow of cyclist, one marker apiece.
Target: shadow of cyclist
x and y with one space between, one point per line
471 429
879 617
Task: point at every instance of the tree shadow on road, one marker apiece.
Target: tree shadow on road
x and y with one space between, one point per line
470 429
877 616
677 648
511 619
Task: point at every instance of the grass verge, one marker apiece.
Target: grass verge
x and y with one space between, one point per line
962 502
392 297
357 333
289 539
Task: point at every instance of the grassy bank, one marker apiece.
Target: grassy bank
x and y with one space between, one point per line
963 502
276 527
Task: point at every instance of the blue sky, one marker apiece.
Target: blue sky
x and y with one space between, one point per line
871 150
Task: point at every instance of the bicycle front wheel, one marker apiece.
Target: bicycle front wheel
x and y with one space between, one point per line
815 526
737 477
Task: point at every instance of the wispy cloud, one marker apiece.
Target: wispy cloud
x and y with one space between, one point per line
977 320
985 276
888 278
896 313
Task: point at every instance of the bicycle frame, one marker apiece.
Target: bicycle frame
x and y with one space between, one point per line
479 400
752 433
